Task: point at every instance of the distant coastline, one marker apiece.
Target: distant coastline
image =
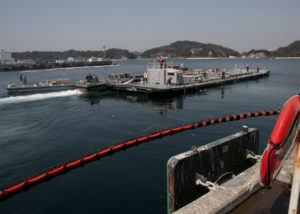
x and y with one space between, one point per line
190 50
46 65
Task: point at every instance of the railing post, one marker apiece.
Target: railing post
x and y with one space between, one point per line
293 206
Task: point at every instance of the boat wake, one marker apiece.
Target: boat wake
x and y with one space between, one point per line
40 96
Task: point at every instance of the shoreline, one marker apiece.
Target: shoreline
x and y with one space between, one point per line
53 66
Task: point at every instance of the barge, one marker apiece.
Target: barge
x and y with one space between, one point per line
40 87
165 80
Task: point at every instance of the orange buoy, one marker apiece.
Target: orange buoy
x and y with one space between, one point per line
165 132
35 178
55 170
14 187
89 157
116 147
103 151
177 129
141 139
187 126
154 135
73 163
130 142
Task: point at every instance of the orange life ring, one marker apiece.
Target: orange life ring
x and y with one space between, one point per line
279 141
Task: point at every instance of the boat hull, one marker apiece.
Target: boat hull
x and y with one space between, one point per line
31 89
92 87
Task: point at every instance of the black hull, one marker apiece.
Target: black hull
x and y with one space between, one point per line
39 89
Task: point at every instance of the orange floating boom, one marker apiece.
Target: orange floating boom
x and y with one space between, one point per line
50 173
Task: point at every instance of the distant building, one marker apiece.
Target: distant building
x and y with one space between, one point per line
92 59
99 59
71 59
26 61
5 58
59 61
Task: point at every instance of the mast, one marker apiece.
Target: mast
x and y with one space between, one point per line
104 51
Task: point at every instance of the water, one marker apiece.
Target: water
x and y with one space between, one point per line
41 131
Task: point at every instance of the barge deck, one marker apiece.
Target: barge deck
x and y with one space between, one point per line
92 87
167 89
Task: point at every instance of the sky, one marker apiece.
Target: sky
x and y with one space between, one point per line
138 25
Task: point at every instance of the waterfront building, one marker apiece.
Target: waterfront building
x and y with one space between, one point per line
92 59
26 61
5 58
59 61
71 59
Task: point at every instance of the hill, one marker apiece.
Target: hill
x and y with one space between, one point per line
292 50
189 49
51 56
177 49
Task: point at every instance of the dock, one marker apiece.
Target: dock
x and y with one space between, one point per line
167 89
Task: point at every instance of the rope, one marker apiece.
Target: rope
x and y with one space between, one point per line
57 170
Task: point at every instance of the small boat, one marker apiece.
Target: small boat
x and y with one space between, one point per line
40 87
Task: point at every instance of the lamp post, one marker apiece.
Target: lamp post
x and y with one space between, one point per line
104 51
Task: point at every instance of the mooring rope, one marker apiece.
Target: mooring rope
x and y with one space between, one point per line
47 174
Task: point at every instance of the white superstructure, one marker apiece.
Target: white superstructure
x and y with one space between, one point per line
161 74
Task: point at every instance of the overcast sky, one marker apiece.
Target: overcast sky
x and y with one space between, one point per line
27 25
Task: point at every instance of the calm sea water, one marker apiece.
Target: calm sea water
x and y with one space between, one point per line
40 131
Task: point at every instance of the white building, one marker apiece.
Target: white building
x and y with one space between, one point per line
25 61
162 75
59 61
92 59
71 59
5 58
